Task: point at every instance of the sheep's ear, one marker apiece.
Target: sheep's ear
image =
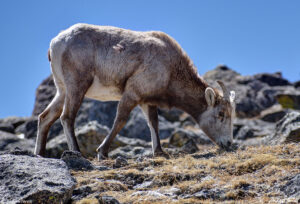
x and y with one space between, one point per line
210 96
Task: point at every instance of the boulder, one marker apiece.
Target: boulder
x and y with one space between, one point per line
274 113
27 179
252 128
291 101
130 152
29 128
172 115
75 161
274 79
297 84
292 187
107 200
120 162
89 137
13 120
181 136
136 126
253 93
7 127
10 141
43 95
287 129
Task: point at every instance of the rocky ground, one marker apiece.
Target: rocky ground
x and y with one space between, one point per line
265 167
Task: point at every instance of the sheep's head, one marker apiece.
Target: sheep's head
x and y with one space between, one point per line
217 120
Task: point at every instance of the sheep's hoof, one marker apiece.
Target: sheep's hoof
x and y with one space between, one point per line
102 156
161 153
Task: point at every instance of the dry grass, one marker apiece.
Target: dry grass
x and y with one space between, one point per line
245 176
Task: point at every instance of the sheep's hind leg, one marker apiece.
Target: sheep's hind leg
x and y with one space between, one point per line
46 119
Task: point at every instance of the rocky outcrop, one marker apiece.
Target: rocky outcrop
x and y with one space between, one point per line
130 152
89 137
253 93
287 129
10 141
274 113
136 126
292 187
248 129
290 100
266 113
75 161
27 179
43 95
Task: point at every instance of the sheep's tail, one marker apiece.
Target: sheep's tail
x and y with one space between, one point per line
49 58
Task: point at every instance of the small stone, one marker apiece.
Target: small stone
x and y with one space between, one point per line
120 162
75 161
107 200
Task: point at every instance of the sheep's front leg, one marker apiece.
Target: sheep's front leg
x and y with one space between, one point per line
126 104
151 115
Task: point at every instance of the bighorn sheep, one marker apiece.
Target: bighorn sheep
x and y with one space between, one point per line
148 69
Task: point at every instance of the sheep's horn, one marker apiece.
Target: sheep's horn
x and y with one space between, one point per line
226 93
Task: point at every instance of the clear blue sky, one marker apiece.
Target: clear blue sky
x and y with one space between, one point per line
248 36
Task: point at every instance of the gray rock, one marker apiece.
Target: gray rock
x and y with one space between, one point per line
253 93
81 192
130 152
189 147
209 194
291 100
120 162
28 128
136 126
181 136
287 129
13 120
274 113
107 200
35 180
172 115
292 187
297 84
75 161
102 168
7 127
102 112
274 79
246 129
89 137
10 141
144 185
43 95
